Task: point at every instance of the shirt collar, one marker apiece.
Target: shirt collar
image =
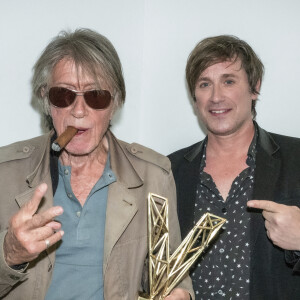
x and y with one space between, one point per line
251 155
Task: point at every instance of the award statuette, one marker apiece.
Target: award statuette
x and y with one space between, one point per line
166 271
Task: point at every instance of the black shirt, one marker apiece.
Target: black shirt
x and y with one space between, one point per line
222 272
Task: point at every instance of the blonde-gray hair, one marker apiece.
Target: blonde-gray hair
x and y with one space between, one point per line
91 51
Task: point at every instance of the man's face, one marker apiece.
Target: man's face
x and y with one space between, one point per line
223 98
91 124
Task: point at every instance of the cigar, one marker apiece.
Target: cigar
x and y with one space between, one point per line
63 140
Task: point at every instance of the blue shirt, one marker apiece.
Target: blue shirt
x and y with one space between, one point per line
78 266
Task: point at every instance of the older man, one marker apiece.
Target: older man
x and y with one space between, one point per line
236 162
74 223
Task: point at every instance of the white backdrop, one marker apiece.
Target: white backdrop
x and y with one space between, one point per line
153 39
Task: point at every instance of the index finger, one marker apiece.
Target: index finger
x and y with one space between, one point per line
266 205
33 204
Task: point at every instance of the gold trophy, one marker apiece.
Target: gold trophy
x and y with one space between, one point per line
166 271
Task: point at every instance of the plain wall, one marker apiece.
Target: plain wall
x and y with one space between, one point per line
153 39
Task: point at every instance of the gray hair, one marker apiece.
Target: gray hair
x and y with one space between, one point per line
91 51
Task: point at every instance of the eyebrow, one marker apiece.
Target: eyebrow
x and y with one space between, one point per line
72 86
203 79
229 75
226 75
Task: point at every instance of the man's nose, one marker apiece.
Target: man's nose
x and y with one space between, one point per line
79 109
216 93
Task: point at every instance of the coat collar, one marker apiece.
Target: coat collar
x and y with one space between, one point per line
195 151
267 171
266 141
121 163
267 166
40 173
122 205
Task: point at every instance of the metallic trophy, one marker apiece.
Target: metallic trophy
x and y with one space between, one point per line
166 271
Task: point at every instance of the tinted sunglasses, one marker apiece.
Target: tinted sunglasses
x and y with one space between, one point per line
62 97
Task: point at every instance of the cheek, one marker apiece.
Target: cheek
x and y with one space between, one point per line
199 104
247 100
57 119
101 120
54 115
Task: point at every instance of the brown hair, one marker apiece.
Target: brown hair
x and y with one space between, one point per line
220 48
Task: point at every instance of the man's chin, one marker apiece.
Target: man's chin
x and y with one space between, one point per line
220 130
78 151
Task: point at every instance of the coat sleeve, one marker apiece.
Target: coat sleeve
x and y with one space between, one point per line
8 276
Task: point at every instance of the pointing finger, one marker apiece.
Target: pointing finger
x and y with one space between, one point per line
266 205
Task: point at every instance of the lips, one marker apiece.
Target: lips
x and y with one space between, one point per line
219 111
81 131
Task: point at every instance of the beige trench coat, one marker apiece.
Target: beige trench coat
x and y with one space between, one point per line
139 170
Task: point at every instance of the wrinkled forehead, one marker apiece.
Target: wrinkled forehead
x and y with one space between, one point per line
69 71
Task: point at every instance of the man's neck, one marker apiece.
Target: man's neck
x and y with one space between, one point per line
230 145
226 157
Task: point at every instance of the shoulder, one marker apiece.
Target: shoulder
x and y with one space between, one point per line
286 144
284 140
289 149
23 149
186 154
140 153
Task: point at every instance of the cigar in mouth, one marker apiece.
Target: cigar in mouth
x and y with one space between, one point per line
63 140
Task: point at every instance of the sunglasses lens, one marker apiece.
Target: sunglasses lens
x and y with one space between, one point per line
97 99
61 97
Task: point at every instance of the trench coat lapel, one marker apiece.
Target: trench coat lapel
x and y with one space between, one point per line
121 204
266 174
187 187
40 174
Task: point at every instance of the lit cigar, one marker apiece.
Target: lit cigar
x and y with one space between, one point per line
63 140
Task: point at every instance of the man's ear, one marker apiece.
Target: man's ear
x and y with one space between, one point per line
257 88
43 92
258 85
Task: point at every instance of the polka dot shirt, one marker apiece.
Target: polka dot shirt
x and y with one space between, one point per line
222 272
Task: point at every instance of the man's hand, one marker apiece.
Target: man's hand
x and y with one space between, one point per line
27 232
282 223
178 294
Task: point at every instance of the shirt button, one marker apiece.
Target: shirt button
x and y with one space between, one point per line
221 250
66 172
78 214
69 195
133 150
25 149
224 210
